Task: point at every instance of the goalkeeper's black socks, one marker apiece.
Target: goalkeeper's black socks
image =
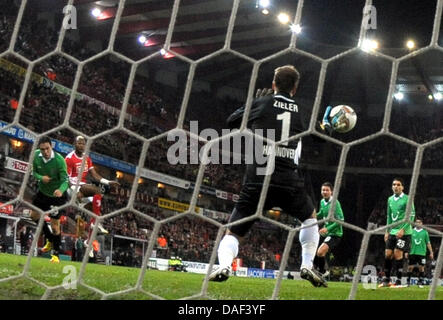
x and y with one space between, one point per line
57 239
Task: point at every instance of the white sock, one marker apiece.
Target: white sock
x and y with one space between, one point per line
227 251
309 238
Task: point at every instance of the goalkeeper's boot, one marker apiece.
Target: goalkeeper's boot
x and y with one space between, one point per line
54 259
314 277
220 275
47 247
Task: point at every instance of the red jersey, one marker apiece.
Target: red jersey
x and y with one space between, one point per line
74 164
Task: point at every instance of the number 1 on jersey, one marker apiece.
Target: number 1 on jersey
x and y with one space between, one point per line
286 118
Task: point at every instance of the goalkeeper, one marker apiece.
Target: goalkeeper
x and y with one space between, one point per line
277 111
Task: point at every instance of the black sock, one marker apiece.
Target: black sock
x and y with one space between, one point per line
57 239
409 277
321 264
398 265
388 267
405 266
421 276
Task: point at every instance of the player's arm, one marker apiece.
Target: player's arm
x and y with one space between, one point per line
36 175
102 180
407 224
322 213
337 215
429 246
63 176
412 217
235 119
388 221
69 167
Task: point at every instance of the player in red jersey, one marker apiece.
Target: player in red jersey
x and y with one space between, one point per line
89 193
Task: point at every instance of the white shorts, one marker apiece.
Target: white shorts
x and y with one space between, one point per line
72 190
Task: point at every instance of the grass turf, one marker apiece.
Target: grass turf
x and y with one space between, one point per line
173 285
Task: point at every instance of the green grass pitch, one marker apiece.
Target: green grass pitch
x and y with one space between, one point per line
173 285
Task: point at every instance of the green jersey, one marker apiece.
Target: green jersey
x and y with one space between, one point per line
55 168
397 211
419 242
334 228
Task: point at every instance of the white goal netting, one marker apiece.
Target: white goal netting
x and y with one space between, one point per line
121 124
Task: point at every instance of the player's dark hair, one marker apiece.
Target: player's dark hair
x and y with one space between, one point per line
328 184
399 179
44 139
286 77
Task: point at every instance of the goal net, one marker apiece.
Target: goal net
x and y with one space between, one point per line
150 84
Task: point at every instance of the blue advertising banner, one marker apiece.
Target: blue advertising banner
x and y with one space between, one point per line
106 161
260 273
65 148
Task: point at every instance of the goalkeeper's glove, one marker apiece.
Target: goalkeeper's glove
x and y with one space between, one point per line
263 92
325 124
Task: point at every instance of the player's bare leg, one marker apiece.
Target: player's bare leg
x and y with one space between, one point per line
321 259
88 190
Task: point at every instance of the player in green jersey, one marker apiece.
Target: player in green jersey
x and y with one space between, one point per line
398 238
332 232
49 169
420 242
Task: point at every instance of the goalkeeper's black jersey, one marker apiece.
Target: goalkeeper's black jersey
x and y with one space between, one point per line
279 117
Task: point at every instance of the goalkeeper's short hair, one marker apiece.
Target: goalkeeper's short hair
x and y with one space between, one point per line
286 77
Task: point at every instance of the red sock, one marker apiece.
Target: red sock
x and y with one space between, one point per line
90 228
97 204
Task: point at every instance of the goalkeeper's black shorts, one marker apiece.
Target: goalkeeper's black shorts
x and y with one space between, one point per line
293 200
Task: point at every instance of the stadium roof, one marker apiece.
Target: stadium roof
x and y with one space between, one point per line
329 27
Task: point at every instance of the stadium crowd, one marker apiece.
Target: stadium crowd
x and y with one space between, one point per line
148 115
